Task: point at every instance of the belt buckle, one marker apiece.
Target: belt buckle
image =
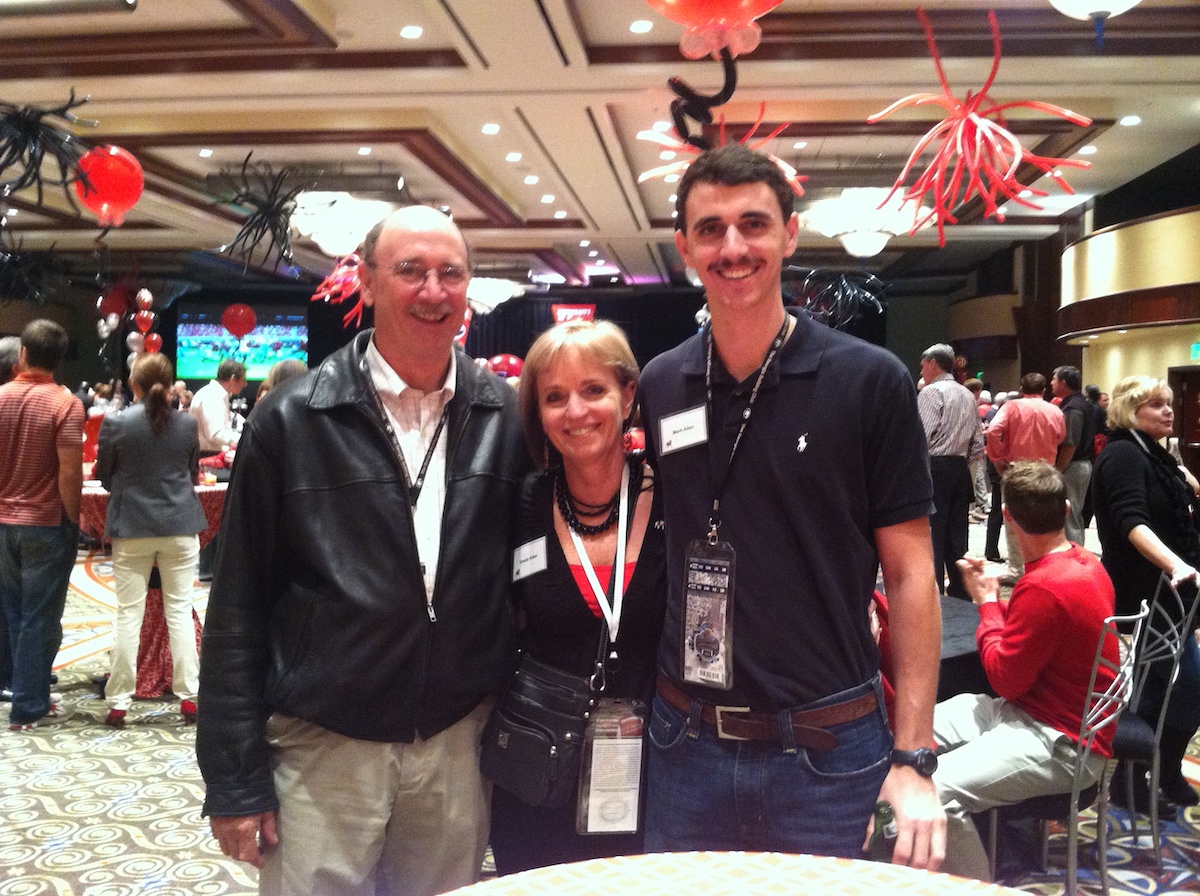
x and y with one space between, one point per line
720 711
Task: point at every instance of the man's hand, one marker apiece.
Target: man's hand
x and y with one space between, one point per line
245 837
920 819
982 588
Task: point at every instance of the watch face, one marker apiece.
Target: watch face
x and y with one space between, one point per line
923 760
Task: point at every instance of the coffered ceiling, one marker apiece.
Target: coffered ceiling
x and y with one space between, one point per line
330 89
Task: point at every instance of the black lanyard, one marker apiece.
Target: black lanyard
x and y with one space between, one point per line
414 487
723 480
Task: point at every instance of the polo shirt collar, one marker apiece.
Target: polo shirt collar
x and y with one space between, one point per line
801 354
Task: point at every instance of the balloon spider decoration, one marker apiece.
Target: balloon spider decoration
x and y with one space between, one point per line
272 201
977 156
838 299
29 136
341 285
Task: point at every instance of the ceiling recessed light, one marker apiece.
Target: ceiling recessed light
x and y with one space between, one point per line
593 253
1025 194
513 157
1122 331
411 32
491 128
583 244
547 198
12 212
1130 121
206 153
1087 150
559 215
673 198
667 154
674 214
531 179
641 26
364 150
800 144
661 126
671 179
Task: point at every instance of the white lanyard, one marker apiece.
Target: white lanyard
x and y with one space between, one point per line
612 614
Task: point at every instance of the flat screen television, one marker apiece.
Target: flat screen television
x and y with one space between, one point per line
202 342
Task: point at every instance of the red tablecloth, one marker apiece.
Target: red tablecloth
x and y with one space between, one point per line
154 650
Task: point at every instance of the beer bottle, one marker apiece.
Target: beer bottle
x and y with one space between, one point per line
883 838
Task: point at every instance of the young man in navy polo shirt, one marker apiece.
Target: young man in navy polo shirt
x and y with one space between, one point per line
793 463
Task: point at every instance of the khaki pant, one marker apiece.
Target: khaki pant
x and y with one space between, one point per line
360 818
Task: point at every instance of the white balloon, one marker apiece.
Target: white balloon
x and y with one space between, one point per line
135 341
103 330
113 321
133 356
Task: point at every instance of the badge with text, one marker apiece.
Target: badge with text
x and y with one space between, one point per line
529 558
682 430
708 614
610 774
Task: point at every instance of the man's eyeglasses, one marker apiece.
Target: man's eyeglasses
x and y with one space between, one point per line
414 273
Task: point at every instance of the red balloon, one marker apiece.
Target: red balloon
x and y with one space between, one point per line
143 320
144 300
700 13
506 365
115 301
152 343
113 183
238 319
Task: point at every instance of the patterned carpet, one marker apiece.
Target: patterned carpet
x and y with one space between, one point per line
87 810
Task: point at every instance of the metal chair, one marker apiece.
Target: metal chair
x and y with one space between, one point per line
1103 705
1169 627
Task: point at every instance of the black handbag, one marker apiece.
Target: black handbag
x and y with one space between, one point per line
531 742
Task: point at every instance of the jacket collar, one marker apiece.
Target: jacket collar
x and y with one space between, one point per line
341 379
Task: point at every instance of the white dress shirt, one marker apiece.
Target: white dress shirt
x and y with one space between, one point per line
414 416
210 407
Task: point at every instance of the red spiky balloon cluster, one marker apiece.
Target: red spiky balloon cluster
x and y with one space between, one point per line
977 156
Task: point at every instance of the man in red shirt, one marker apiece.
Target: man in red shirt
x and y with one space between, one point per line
1037 650
41 476
1029 428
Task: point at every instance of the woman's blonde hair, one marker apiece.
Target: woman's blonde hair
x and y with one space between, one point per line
1130 394
599 340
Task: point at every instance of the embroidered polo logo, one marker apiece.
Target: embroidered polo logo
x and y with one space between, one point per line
802 444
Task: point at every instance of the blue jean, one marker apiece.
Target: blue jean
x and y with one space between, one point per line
708 793
35 569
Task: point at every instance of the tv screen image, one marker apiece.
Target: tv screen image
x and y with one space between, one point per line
202 342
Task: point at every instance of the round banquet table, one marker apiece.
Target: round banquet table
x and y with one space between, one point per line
154 650
729 873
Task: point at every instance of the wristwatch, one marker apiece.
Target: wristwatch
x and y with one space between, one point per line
923 760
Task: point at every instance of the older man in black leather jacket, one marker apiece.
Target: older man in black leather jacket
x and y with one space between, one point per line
359 615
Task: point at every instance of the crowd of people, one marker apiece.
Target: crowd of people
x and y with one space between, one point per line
402 528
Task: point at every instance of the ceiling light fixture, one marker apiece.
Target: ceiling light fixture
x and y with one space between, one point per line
59 7
411 32
641 26
337 222
1098 11
863 219
491 128
1130 121
513 157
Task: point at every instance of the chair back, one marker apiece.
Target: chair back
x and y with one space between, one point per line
1107 697
1162 641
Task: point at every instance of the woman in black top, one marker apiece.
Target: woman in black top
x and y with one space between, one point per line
577 394
1144 516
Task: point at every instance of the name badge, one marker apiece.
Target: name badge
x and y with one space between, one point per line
529 558
682 430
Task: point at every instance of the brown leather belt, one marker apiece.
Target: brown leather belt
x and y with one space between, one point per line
742 723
